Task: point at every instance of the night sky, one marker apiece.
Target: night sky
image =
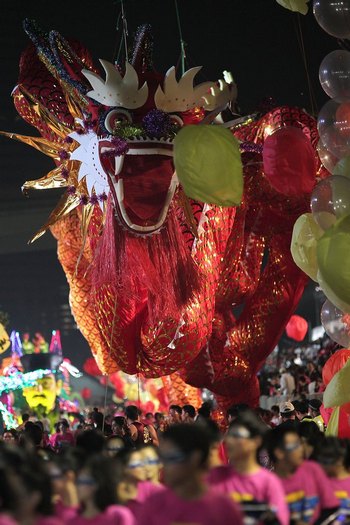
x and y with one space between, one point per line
255 39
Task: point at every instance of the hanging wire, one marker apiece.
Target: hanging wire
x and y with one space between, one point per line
124 37
300 39
182 42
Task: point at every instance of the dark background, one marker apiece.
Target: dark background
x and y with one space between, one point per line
255 39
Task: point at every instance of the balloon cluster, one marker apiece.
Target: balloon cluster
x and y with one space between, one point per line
321 240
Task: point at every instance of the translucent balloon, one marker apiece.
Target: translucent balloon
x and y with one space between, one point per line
330 200
333 17
342 167
333 125
335 74
326 157
332 320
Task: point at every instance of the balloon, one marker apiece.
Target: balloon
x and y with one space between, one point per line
333 323
334 364
208 164
297 328
90 367
337 392
330 200
333 125
342 167
333 256
334 74
86 393
326 157
298 6
289 161
306 232
333 17
329 293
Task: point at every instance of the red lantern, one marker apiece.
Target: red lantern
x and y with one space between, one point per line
86 393
289 161
91 368
297 328
334 364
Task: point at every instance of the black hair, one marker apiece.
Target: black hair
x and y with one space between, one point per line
13 432
107 474
158 416
190 438
333 448
190 410
91 441
275 408
311 432
176 408
36 478
132 412
301 406
275 438
249 420
25 417
149 414
215 435
120 421
33 433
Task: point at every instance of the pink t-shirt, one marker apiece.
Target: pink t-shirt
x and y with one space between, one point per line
341 490
113 515
308 491
169 509
65 513
251 490
145 489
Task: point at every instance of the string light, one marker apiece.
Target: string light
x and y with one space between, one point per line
18 380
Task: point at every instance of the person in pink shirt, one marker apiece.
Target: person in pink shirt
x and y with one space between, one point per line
184 453
258 491
307 488
97 483
63 437
333 456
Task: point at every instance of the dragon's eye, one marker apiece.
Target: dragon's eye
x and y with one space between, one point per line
175 119
115 117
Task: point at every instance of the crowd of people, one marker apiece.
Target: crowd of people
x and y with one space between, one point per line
179 468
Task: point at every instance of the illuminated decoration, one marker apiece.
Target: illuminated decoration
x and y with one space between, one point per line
7 417
4 339
16 344
154 274
17 380
298 6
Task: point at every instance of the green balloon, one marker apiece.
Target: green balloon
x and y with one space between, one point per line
208 164
333 257
304 244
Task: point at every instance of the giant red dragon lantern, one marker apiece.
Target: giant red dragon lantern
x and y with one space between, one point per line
160 283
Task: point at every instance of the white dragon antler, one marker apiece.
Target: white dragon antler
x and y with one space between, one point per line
117 90
181 95
222 93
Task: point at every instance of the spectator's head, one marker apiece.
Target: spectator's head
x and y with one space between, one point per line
184 453
284 447
114 445
132 413
287 411
275 409
149 418
152 464
188 413
310 436
301 409
10 436
175 412
97 481
333 455
244 437
91 442
314 407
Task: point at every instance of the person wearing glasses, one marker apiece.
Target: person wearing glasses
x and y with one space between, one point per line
97 483
257 490
333 455
134 488
184 452
152 463
307 489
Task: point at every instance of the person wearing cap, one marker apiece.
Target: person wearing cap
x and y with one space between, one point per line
307 488
314 412
287 411
258 491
